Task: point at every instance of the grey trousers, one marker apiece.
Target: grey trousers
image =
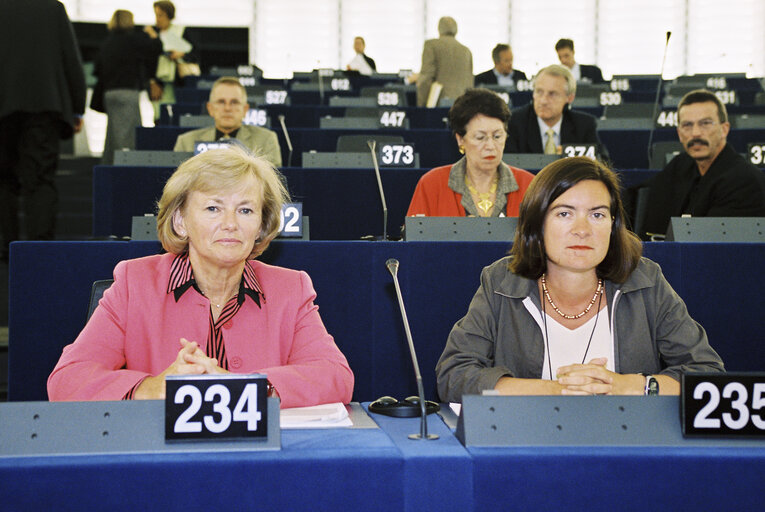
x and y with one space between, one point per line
124 114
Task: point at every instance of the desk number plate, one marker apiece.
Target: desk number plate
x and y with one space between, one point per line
723 405
396 155
208 407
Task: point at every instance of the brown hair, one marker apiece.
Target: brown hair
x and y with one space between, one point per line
167 7
221 169
121 20
704 96
529 257
473 102
564 43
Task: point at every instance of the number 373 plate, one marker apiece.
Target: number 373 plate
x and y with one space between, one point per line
723 404
206 407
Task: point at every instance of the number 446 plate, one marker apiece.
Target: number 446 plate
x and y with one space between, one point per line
205 407
723 404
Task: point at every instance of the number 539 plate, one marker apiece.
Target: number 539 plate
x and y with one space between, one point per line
216 407
723 404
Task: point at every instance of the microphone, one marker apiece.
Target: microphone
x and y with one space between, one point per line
392 265
286 138
656 100
372 144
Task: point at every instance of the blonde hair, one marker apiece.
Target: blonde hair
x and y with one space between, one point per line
561 71
121 20
216 170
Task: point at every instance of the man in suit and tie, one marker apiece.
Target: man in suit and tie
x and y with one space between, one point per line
446 61
228 106
581 72
502 73
548 122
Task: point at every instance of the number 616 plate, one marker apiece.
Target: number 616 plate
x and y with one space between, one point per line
216 407
723 404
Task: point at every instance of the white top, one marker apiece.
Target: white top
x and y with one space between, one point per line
360 64
569 346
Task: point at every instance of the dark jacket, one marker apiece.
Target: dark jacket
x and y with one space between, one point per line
576 128
127 60
591 73
489 78
732 187
41 64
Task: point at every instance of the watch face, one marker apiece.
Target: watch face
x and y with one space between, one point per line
653 386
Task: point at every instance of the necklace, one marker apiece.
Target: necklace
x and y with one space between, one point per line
598 291
547 337
485 200
218 306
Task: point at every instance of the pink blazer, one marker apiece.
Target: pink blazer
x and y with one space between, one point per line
135 332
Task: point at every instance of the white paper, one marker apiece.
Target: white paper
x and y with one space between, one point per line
173 42
317 416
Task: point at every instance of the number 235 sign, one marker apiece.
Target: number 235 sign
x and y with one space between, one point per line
216 407
729 405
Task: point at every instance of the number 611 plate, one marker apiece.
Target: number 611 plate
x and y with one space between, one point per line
723 404
206 407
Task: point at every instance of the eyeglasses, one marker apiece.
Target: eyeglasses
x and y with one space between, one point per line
704 125
481 138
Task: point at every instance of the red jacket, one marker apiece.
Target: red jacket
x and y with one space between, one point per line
434 198
135 331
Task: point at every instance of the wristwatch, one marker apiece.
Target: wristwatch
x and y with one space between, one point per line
651 385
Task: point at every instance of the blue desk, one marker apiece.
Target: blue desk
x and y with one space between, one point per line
380 470
50 282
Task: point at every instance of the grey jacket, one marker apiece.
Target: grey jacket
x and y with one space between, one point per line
498 337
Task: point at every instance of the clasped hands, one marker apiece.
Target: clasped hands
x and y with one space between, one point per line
189 361
594 379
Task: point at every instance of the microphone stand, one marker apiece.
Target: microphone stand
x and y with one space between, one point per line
656 100
392 265
372 144
286 138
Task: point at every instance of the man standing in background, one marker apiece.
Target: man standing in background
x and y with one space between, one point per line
42 100
446 61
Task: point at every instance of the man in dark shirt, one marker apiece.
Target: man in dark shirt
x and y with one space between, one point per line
710 179
502 73
582 72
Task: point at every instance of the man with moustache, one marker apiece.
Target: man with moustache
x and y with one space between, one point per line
710 179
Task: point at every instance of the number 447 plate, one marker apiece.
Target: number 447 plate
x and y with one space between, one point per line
206 407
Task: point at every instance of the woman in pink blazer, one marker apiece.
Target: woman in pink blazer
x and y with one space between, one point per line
206 307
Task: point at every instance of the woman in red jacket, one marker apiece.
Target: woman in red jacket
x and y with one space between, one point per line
206 307
479 184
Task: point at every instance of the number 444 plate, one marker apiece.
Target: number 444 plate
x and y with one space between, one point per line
723 404
206 407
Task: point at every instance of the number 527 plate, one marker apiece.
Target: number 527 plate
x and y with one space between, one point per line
723 404
205 407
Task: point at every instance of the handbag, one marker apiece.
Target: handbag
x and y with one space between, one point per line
97 99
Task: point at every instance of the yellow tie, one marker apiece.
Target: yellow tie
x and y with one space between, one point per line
550 148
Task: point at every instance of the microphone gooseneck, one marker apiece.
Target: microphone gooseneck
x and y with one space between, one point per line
656 99
372 144
392 265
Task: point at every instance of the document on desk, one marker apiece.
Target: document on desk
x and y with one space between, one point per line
317 416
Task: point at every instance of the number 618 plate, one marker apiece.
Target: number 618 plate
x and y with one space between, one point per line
206 407
723 404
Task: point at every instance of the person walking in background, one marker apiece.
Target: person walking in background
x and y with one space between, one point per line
123 68
42 100
446 61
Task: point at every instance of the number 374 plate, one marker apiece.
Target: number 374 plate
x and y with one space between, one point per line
206 407
723 404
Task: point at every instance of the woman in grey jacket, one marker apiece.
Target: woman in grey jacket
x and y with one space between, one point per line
574 309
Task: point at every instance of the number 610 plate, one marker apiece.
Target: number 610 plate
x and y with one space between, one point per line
723 404
216 407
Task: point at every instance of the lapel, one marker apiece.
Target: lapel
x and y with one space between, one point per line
532 132
567 128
